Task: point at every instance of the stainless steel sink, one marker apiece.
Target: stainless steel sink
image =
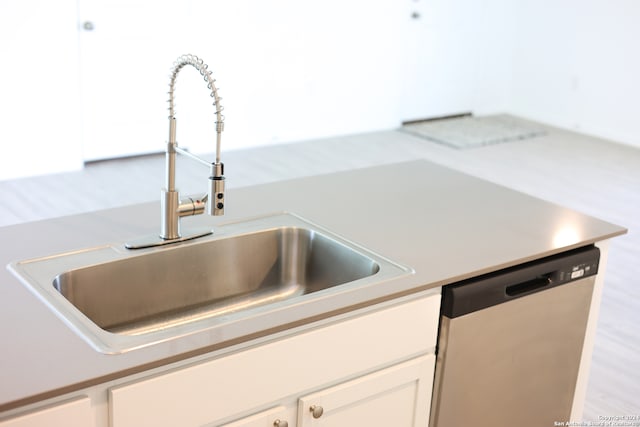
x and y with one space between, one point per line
142 294
119 300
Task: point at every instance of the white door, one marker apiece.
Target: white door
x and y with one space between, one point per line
287 71
126 51
399 396
458 58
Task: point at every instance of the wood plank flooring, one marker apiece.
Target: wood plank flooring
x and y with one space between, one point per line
590 175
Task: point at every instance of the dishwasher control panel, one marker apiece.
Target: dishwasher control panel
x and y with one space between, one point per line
519 281
580 270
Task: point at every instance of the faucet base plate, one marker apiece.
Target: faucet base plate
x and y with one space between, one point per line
153 241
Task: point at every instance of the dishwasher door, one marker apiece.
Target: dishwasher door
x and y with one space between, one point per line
510 344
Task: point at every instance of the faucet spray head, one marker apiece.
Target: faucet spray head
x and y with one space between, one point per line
216 190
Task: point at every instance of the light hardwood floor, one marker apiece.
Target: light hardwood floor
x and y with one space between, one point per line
590 175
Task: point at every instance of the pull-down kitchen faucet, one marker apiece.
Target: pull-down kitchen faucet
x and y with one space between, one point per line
172 208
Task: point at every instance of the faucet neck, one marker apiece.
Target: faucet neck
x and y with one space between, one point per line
170 156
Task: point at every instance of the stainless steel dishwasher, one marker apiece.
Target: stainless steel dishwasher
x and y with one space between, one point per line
510 343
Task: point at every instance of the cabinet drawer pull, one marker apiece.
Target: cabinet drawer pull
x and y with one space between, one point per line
316 411
280 423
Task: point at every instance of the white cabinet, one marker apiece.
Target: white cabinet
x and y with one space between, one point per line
372 367
275 417
75 413
398 396
359 362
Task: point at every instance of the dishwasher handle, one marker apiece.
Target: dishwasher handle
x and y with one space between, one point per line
505 285
529 286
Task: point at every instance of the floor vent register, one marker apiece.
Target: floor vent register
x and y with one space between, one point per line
463 132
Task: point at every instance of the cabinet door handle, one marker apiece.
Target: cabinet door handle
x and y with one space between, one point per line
280 423
316 411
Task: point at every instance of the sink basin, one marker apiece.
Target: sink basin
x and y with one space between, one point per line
145 293
119 299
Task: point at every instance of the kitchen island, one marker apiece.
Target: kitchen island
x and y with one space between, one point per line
445 225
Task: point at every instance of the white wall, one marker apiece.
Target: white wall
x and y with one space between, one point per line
291 70
577 66
39 88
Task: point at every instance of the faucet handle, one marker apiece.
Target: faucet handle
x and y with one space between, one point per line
216 190
192 205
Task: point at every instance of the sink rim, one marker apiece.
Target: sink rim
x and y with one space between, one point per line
38 274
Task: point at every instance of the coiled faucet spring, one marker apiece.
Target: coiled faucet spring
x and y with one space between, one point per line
204 71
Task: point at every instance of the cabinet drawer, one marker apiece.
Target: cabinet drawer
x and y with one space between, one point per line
263 419
76 413
234 384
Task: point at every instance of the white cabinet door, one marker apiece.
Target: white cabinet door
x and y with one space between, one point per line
399 396
76 413
277 417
